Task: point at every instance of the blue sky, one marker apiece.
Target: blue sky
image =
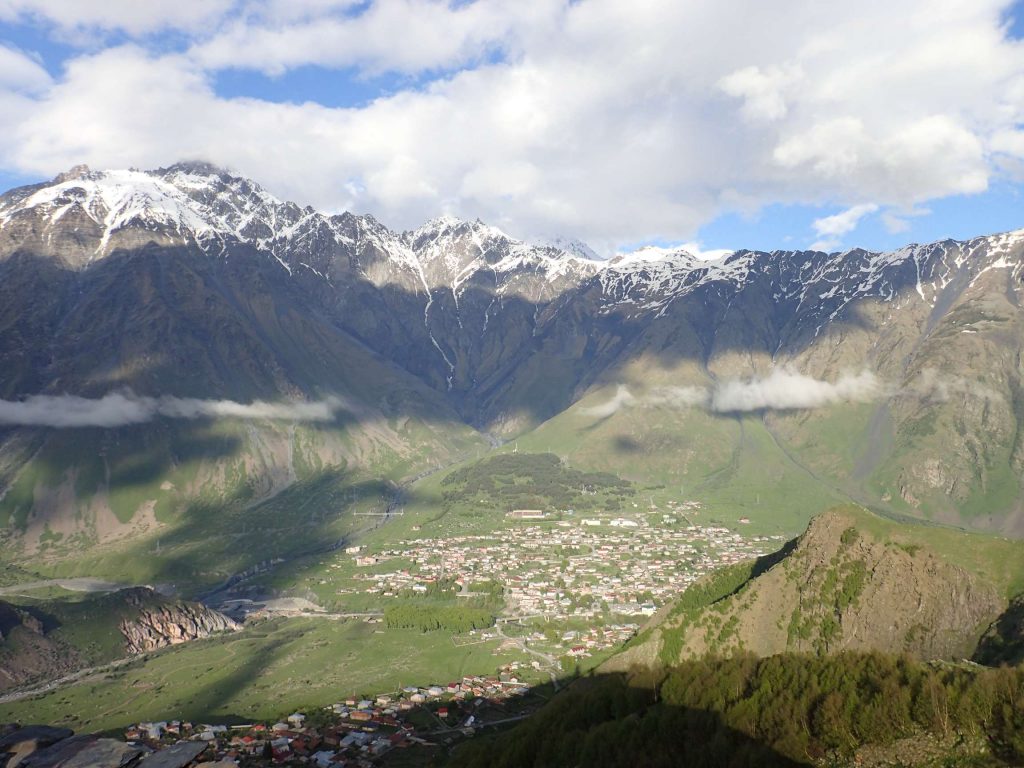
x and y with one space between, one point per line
871 126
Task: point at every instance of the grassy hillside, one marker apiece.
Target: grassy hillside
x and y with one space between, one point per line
276 665
189 504
732 464
845 584
52 633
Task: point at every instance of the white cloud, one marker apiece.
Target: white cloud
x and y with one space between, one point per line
789 390
784 389
598 120
678 397
117 410
831 228
406 36
780 390
621 399
845 221
131 16
895 221
935 386
21 73
763 93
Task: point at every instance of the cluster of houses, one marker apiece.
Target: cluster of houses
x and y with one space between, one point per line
596 568
355 732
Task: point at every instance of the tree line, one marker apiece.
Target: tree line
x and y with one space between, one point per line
427 618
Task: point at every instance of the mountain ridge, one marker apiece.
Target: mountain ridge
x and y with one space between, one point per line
190 282
850 582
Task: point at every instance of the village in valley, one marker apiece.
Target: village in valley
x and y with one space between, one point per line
571 589
560 592
353 732
537 594
595 577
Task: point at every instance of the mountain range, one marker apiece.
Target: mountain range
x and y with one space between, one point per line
135 305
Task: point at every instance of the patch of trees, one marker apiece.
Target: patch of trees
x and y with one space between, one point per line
427 618
717 585
786 710
534 480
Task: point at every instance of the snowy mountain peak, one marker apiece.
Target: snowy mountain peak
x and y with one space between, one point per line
84 215
650 254
77 172
195 168
441 223
571 246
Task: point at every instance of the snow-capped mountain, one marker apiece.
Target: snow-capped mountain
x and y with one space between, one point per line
815 282
83 216
191 281
200 205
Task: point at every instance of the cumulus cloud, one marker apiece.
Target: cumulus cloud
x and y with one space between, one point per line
611 122
407 36
21 72
762 92
121 409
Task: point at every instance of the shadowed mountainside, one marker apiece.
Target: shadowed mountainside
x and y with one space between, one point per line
190 282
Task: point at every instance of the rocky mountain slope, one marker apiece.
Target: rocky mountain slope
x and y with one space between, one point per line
851 582
49 639
191 282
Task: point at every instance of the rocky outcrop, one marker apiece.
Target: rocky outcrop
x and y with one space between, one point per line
19 742
852 582
157 624
85 751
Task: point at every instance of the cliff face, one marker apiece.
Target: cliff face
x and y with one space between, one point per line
159 624
846 585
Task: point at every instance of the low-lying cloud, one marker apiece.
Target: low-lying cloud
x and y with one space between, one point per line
781 390
122 409
619 400
938 387
786 390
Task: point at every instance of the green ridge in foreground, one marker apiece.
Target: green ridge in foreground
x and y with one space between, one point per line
786 710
